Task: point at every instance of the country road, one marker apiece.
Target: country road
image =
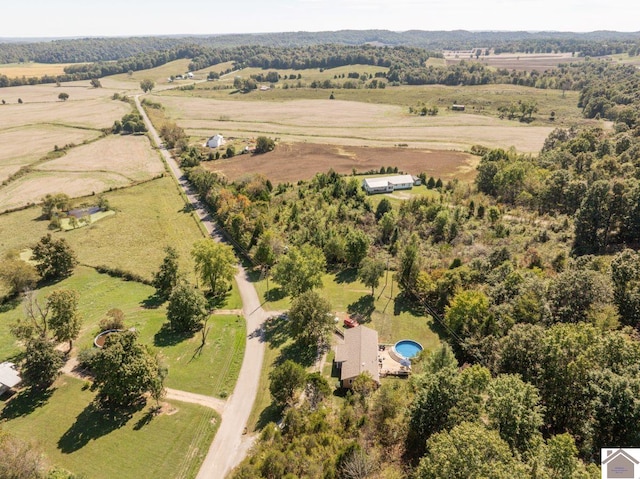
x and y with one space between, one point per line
229 446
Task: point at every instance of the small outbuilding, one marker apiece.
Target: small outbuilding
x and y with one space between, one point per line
9 377
457 107
215 141
357 355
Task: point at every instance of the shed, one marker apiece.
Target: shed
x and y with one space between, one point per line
457 107
215 141
357 355
9 377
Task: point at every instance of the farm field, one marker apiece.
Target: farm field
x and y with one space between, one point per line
112 162
32 69
133 239
516 61
41 139
354 123
160 75
290 162
81 439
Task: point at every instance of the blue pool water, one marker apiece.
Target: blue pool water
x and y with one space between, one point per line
408 348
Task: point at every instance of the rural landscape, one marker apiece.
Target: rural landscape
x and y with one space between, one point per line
334 255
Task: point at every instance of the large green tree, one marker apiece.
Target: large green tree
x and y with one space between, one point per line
125 370
469 451
18 275
300 269
310 318
55 258
187 308
215 263
370 272
166 278
65 321
514 410
42 362
285 381
147 85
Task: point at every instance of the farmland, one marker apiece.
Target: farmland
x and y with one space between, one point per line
291 162
32 69
515 61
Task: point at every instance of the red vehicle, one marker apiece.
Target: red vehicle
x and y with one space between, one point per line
350 323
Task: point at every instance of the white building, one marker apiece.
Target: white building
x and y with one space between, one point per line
9 377
387 184
215 141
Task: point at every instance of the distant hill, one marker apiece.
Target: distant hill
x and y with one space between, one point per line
77 50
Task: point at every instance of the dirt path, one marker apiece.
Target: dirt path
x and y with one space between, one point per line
206 401
229 446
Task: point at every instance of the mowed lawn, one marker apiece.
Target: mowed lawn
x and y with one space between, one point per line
211 370
77 437
392 316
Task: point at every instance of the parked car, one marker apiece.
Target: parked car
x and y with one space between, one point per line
350 323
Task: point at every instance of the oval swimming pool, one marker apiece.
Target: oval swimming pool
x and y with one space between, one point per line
407 348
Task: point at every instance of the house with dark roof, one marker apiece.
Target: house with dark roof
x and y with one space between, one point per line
620 464
357 355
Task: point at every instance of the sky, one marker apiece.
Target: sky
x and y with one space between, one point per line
71 18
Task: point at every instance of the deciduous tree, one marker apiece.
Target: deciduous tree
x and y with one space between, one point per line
300 269
215 263
55 258
125 370
166 278
285 381
147 85
310 318
42 362
370 272
187 308
65 321
63 96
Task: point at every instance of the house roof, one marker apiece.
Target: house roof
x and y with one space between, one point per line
383 181
9 375
619 453
359 353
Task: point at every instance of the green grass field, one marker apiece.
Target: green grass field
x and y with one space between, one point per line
390 314
210 371
148 217
80 439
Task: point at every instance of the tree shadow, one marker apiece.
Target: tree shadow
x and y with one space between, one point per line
405 303
272 413
362 309
348 275
152 302
300 352
145 419
275 294
276 332
10 304
218 301
25 402
168 337
92 423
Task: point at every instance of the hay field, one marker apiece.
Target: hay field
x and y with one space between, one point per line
307 75
24 145
349 123
130 156
112 162
159 75
515 61
32 69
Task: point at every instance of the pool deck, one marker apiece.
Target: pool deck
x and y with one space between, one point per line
389 366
